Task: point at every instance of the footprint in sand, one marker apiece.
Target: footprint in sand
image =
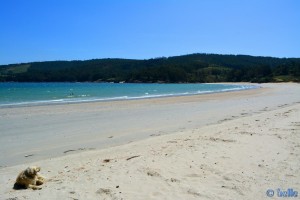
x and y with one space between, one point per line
26 156
104 191
153 173
174 180
193 192
108 192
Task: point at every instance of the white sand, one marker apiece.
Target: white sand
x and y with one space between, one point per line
234 145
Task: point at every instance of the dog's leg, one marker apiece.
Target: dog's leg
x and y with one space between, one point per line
40 180
34 187
40 177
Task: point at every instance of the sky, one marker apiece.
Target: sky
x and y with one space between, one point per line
46 30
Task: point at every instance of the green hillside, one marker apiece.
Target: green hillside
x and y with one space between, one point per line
186 68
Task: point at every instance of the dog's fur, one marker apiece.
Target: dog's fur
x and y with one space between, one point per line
29 178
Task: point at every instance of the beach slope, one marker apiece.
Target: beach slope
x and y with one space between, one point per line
239 157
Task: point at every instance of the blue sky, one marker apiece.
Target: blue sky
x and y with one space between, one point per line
43 30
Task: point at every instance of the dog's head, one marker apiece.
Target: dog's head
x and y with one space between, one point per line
32 171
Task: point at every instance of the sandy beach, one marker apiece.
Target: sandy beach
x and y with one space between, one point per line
233 145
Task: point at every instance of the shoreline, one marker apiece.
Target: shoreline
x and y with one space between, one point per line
236 155
127 98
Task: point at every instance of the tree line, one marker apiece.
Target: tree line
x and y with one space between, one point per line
193 68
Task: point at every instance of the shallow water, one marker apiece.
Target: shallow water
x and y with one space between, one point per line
18 94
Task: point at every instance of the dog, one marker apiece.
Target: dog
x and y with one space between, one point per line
29 178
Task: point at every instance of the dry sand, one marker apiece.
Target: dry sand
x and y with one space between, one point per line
234 145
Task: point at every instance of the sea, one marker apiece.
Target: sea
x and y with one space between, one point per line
14 94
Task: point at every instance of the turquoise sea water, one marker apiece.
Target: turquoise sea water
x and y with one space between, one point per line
26 94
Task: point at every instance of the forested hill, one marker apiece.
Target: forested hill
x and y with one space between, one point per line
186 68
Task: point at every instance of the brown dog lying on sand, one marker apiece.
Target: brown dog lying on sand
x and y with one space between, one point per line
29 178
